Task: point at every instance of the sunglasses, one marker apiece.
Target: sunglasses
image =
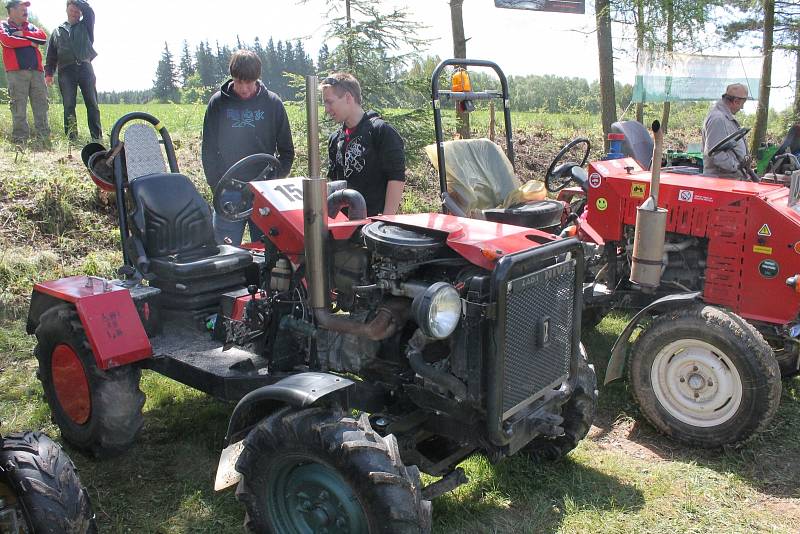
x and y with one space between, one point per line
330 81
735 98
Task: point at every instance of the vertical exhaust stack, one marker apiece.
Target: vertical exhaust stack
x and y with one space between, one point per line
315 207
651 223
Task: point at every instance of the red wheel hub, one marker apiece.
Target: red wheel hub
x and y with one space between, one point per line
69 381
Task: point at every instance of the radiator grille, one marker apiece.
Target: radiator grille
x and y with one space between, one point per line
537 337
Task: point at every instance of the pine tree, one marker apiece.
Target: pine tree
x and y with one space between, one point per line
324 65
186 67
206 65
165 86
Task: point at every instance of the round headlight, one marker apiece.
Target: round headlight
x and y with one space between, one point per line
437 310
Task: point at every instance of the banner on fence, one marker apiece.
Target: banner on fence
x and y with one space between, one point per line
687 77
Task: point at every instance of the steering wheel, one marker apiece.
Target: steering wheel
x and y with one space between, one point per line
729 142
239 211
559 175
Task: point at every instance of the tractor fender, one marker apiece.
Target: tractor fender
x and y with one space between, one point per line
300 390
107 313
619 352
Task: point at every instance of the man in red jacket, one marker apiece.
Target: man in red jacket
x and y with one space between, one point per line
24 72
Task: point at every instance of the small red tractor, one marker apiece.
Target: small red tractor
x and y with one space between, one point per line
359 351
717 309
39 488
717 314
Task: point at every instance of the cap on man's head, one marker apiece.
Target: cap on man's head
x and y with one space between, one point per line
736 90
16 3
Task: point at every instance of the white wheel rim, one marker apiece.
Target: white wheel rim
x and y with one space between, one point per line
696 383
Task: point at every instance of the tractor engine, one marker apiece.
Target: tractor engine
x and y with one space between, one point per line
684 260
405 289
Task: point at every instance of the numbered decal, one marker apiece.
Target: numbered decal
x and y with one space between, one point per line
285 194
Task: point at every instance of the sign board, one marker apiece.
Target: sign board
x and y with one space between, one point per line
674 77
558 6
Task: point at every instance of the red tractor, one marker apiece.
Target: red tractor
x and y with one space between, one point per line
717 316
359 351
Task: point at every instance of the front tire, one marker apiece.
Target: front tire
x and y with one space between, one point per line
98 411
705 377
578 413
45 484
314 470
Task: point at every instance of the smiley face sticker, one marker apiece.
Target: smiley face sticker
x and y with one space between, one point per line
601 204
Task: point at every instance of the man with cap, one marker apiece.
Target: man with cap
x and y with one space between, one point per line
23 63
719 124
70 52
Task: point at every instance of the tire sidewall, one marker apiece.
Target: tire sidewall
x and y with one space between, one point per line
755 382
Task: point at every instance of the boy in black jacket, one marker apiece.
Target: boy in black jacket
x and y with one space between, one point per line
243 118
366 151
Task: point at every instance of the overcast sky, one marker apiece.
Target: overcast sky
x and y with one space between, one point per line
130 36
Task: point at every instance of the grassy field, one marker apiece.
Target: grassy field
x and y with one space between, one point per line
623 478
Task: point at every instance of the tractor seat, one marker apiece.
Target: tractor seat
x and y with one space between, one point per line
543 215
638 144
171 231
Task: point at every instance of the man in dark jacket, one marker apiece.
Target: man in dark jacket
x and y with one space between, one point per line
70 52
23 63
243 118
366 151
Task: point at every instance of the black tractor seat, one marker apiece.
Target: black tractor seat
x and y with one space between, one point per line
172 242
543 215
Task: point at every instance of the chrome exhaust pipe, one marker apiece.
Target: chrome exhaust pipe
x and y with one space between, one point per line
315 208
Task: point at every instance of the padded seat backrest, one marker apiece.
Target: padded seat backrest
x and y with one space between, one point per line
170 217
479 175
143 154
638 144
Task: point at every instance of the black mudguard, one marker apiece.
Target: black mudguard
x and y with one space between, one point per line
619 352
300 390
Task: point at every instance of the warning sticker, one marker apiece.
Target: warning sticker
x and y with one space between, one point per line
764 231
762 250
637 190
685 195
595 180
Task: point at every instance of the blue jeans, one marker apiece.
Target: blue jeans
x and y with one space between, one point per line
231 233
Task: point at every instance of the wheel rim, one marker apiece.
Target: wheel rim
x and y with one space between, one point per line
696 383
306 496
70 384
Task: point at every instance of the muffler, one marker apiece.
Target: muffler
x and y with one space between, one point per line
651 224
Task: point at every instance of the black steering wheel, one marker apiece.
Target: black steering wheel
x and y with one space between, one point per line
559 175
729 142
239 211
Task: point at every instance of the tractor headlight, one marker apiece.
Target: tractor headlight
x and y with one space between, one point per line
437 310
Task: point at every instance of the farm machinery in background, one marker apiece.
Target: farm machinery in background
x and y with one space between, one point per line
39 488
359 351
717 306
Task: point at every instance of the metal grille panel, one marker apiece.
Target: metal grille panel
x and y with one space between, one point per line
538 333
143 152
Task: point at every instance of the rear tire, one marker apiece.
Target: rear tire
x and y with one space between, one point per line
705 377
578 413
306 470
46 486
98 411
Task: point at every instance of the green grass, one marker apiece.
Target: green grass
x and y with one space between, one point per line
623 478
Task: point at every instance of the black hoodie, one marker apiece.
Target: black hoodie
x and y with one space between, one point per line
234 128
